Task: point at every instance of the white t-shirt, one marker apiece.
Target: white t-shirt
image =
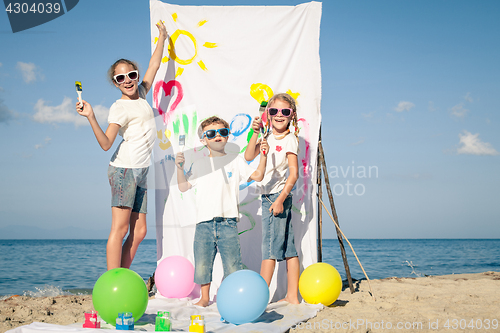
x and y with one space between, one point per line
215 182
138 130
277 163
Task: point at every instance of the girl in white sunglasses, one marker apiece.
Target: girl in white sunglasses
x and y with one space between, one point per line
132 117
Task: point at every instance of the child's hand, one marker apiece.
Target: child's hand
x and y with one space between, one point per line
162 30
179 160
276 208
256 124
264 147
85 109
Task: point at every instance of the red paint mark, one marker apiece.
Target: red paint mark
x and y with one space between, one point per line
278 148
167 89
306 157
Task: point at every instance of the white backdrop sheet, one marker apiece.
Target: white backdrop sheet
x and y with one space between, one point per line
225 60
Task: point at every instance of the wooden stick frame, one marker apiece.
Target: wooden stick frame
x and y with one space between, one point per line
322 165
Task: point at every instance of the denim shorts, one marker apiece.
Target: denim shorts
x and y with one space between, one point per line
128 188
278 242
222 234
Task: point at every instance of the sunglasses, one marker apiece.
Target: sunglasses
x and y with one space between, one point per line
212 133
286 112
120 78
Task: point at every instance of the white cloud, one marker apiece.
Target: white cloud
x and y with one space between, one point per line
30 71
368 116
360 141
5 113
65 113
45 142
472 145
431 106
468 98
459 110
404 106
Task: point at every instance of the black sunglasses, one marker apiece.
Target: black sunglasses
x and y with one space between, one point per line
286 112
210 134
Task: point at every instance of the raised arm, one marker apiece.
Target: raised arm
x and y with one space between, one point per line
155 62
258 174
182 182
253 148
105 139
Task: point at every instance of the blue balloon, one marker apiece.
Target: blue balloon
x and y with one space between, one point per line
242 297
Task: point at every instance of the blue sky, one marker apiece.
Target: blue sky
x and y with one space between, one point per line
411 92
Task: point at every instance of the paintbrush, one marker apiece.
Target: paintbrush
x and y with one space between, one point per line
182 142
78 86
264 129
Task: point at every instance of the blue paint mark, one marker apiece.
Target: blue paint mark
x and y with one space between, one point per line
229 174
245 185
240 124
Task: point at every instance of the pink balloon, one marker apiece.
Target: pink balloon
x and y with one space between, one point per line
174 277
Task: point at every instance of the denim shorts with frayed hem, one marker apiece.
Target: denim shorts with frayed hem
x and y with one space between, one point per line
128 188
278 241
222 234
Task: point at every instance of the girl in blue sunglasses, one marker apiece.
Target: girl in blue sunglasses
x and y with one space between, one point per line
281 175
132 117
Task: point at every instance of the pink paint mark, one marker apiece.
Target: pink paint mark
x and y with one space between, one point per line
305 160
279 148
167 89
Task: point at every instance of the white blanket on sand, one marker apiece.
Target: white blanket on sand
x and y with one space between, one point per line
278 317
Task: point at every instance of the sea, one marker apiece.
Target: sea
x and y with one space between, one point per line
40 268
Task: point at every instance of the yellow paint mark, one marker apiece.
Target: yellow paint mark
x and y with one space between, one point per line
156 40
202 23
165 145
168 134
210 45
164 59
171 47
174 16
179 72
202 65
294 95
159 135
259 91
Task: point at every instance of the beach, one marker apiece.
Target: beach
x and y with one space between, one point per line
460 302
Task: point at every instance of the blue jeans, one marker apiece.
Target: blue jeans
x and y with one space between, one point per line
278 242
128 188
222 234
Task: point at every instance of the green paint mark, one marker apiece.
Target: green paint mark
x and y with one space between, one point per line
249 202
250 133
296 210
176 124
185 123
194 123
252 221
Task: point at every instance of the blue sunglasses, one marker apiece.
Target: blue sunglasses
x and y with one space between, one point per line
212 133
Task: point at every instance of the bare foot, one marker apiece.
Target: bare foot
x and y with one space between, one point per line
202 302
290 300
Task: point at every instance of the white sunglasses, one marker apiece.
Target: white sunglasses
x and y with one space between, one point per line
120 78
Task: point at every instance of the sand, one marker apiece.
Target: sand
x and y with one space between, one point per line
455 303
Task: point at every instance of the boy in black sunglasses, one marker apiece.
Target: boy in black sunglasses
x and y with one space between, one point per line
216 179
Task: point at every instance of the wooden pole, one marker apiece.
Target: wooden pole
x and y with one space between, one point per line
321 157
320 208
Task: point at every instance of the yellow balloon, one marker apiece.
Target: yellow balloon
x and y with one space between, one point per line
320 283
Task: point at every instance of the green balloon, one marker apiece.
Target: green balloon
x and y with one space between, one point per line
120 290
